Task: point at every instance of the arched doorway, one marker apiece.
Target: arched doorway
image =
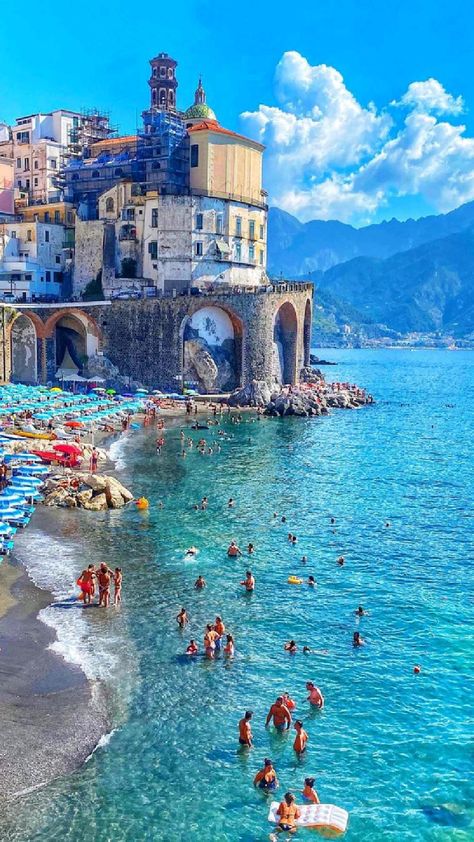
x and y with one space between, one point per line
23 351
307 333
71 344
285 333
212 350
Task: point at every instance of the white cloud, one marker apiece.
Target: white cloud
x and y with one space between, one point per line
431 96
329 157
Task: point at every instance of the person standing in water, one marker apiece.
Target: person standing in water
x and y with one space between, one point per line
200 583
315 697
288 812
118 586
301 738
182 618
245 730
266 778
280 714
86 583
249 582
309 793
104 577
233 550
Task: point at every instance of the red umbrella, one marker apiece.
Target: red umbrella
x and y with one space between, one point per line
70 449
74 424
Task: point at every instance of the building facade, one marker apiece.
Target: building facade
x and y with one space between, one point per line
33 261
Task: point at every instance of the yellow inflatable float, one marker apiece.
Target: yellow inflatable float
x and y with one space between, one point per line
328 820
294 580
142 503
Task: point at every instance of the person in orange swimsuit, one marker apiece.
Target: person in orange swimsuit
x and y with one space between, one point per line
86 583
118 586
193 648
280 714
301 738
288 812
288 701
266 778
245 730
104 578
309 793
219 627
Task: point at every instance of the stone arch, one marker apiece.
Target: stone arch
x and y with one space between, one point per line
76 337
285 340
308 315
211 342
24 349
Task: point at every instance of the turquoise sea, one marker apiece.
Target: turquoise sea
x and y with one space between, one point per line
391 747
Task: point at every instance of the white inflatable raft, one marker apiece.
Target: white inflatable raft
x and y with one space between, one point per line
329 820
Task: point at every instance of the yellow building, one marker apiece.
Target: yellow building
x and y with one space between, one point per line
225 164
57 213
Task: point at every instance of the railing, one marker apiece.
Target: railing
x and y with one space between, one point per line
233 197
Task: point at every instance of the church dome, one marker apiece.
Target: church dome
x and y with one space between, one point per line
200 111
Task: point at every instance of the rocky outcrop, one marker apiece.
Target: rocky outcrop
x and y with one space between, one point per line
200 364
255 393
306 401
94 492
311 375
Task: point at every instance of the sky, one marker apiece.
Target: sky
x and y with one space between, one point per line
366 108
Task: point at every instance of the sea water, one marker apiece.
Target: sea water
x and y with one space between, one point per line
391 747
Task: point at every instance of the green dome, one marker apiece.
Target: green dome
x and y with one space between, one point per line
200 111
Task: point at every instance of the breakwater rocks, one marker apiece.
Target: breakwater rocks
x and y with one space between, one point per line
305 400
94 492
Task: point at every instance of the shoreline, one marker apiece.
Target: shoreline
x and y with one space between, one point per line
47 704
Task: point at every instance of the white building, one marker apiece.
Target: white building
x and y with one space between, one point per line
32 261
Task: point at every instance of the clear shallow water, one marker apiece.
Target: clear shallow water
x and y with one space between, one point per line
390 747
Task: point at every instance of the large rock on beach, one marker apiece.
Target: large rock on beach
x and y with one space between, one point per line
97 504
117 487
113 497
255 393
83 497
96 481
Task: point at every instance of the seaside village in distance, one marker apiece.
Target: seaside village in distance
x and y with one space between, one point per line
142 257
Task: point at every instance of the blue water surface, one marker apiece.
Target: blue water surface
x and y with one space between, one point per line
391 747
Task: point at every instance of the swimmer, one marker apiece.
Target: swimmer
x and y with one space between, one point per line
193 648
245 730
233 550
290 647
360 612
304 559
288 701
275 514
266 778
249 582
250 549
229 648
309 793
210 636
182 618
417 669
283 520
231 503
280 714
290 537
288 812
104 577
301 738
294 539
118 586
200 583
333 520
341 560
192 551
311 581
357 640
204 503
196 507
388 523
315 697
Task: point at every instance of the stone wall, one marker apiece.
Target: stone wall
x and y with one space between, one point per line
88 253
144 338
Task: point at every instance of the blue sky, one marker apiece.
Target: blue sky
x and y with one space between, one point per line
306 73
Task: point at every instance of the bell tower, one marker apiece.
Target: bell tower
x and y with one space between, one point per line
200 94
163 83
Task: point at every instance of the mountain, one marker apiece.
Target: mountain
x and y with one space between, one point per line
296 248
428 289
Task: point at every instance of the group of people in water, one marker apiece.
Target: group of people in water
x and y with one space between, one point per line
97 582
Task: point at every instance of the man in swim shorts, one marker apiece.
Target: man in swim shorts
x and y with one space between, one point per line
315 696
245 730
280 714
249 582
104 578
288 813
86 583
233 550
301 738
200 583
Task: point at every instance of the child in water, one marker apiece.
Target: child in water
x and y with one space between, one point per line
229 648
118 586
193 648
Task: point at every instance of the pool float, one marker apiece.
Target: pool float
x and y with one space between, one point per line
142 503
329 820
294 580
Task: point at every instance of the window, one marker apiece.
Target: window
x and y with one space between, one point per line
95 174
156 165
154 217
162 72
18 163
251 251
28 236
198 249
19 183
58 259
194 155
219 223
252 229
28 277
35 182
48 276
46 236
36 165
153 249
261 254
238 252
53 163
57 217
13 235
75 176
238 226
118 171
58 277
128 214
109 205
27 183
70 217
23 137
199 221
26 164
46 216
75 122
36 217
262 232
